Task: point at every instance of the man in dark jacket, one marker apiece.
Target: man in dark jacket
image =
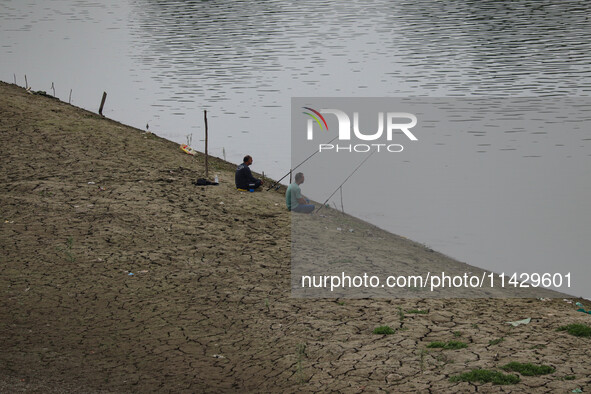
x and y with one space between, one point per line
244 179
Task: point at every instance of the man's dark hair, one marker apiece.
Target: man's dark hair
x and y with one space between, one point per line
246 158
299 176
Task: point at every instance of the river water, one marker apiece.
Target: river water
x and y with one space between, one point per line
163 62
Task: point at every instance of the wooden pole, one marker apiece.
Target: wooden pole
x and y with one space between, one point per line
102 103
342 208
206 141
26 83
70 98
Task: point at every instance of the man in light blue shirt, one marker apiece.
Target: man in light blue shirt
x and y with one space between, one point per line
293 197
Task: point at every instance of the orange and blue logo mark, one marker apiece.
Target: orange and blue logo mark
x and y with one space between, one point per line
315 116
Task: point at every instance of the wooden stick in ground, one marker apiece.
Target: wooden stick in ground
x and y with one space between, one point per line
206 137
102 103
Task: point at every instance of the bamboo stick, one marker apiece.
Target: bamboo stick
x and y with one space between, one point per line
206 142
102 103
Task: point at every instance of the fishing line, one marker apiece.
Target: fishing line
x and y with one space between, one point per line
350 175
296 167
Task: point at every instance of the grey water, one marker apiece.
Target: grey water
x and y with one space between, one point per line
497 200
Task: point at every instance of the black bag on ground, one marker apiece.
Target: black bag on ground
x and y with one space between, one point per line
204 182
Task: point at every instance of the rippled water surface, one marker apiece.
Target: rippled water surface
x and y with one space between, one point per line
164 62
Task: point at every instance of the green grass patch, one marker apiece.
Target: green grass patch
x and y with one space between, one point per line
496 341
486 376
383 330
578 330
418 312
528 369
448 345
569 377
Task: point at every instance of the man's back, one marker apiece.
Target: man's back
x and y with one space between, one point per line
242 176
292 195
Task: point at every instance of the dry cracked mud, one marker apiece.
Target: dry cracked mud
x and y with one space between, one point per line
86 202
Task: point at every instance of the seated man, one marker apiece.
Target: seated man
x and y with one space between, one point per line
244 179
294 199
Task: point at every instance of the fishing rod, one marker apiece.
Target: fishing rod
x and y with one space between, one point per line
341 185
296 167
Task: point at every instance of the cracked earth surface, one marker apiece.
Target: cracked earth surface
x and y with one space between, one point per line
86 202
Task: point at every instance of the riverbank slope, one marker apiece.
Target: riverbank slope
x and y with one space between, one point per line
117 274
